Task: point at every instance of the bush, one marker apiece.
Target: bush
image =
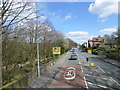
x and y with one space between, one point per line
113 55
95 51
113 50
100 50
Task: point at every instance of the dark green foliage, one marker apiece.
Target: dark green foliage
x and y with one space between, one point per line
113 55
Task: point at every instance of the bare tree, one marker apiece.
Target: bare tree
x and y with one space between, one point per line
13 12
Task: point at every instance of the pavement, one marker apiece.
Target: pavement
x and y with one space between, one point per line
101 75
44 80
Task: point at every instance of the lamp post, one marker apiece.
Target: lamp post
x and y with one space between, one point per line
38 57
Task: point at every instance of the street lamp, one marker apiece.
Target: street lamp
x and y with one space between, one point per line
38 57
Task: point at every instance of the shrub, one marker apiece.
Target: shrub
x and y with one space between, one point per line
113 50
113 55
95 51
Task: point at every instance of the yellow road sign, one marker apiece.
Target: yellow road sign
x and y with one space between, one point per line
56 50
89 51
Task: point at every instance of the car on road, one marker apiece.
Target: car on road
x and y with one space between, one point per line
81 51
73 52
73 57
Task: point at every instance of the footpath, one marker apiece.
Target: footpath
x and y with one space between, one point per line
44 80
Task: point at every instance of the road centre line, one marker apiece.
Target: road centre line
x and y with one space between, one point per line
101 69
115 81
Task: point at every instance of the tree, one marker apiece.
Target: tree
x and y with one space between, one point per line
111 40
12 12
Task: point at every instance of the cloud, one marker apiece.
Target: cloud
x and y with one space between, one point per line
52 13
57 0
102 20
104 8
43 17
78 36
108 30
68 17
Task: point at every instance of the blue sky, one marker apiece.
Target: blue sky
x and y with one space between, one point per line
81 21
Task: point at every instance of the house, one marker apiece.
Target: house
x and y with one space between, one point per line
96 41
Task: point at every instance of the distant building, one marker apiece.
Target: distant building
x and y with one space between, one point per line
96 41
85 44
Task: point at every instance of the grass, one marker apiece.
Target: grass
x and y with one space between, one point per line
50 80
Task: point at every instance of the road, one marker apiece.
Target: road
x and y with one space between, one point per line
101 75
77 82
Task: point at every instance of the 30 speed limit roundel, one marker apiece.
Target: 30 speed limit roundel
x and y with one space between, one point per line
56 50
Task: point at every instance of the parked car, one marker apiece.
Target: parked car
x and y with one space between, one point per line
73 57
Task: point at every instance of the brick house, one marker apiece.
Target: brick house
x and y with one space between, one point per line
96 41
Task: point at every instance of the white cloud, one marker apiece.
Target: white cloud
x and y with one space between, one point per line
108 30
57 0
102 20
52 13
68 17
104 8
43 17
78 36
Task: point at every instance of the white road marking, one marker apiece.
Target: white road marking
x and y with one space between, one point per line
101 69
85 82
115 81
84 79
110 77
81 68
87 75
84 76
79 62
90 83
102 86
70 72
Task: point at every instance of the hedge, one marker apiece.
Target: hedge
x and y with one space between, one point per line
113 55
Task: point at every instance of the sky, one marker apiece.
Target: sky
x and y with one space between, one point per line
81 21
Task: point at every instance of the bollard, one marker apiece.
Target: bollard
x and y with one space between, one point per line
92 64
87 59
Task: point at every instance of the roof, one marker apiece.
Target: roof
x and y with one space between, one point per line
98 38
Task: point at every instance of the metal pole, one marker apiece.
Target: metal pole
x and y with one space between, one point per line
38 57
